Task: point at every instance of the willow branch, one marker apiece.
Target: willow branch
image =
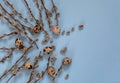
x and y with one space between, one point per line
58 71
46 13
43 72
16 71
13 24
36 59
19 30
9 34
30 12
56 14
10 52
14 10
5 73
46 34
16 20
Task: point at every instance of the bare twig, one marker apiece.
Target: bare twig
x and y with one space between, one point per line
16 71
36 59
46 13
19 30
15 12
56 14
5 73
9 34
30 11
37 78
58 71
39 10
16 20
13 24
46 34
10 52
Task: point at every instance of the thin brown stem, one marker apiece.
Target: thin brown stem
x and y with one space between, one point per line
14 10
9 34
56 14
30 12
16 20
43 72
58 71
10 52
46 13
13 24
19 30
38 7
41 20
36 59
4 74
16 71
10 78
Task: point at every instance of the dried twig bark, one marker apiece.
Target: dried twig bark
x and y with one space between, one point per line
35 64
37 78
19 30
9 34
7 71
30 12
10 52
19 23
46 13
16 20
54 9
14 72
15 12
13 24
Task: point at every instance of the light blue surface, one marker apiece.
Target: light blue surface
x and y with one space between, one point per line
95 50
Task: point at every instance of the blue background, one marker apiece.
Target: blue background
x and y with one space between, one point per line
95 50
